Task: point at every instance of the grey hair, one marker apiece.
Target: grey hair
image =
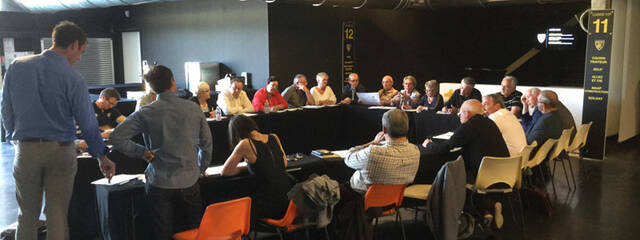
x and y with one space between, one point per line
513 79
396 122
535 91
322 74
549 98
468 81
432 84
497 99
297 78
473 106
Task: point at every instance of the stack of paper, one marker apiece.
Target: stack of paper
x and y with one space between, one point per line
444 136
119 179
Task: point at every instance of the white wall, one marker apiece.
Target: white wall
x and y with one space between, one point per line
131 57
630 99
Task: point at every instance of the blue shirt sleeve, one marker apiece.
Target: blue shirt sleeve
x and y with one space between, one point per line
84 115
7 109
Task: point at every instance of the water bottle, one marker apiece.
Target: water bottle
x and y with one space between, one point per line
266 107
218 113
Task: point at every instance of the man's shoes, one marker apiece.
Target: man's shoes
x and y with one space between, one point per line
499 219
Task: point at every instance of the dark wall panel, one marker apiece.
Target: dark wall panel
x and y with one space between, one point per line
445 44
231 32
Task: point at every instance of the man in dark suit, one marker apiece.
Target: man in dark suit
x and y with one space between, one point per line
349 91
549 125
478 136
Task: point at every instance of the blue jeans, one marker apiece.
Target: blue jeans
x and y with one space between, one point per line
173 210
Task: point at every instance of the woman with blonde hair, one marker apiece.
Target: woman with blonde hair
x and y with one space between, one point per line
203 99
432 99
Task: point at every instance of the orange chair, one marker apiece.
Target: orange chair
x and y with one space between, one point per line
285 224
224 220
388 198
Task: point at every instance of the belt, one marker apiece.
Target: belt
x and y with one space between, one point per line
43 140
36 140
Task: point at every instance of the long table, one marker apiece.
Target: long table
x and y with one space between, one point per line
338 127
115 213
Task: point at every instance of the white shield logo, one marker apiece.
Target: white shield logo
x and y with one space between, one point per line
542 37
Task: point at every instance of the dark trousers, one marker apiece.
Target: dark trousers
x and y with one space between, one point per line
173 210
349 219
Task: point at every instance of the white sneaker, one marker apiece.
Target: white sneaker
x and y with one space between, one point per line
499 220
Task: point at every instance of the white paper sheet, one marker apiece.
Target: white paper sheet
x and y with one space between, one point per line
340 153
369 98
444 136
382 107
216 171
119 179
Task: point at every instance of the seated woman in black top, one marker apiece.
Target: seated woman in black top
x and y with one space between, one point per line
203 99
266 160
432 100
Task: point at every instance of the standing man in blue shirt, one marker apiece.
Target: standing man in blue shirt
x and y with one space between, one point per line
178 150
42 100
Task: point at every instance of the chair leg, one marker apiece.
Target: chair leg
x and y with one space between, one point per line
572 176
553 184
566 175
522 226
326 233
404 235
415 216
306 233
280 233
513 213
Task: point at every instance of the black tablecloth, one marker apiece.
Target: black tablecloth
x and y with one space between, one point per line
339 127
300 131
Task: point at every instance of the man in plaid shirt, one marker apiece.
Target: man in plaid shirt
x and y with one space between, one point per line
388 159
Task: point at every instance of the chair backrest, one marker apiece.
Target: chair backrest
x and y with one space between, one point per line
525 154
581 137
498 170
381 195
562 143
230 218
542 153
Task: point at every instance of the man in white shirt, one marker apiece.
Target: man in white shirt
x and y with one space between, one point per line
234 100
511 130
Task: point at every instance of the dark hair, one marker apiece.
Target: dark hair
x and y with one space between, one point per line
159 78
109 93
238 79
66 33
272 79
240 127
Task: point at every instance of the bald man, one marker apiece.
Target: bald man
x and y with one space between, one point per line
387 92
478 137
349 91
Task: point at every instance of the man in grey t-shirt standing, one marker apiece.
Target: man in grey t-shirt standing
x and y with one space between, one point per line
178 149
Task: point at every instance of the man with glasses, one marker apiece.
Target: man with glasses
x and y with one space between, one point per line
349 91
